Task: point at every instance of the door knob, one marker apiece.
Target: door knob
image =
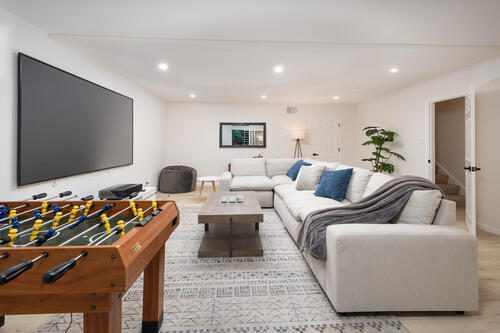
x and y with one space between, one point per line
472 168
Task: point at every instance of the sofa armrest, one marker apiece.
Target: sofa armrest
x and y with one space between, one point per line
401 267
225 181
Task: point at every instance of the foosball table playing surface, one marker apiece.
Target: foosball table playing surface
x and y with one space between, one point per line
82 256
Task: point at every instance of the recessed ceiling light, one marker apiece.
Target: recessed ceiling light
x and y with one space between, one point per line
192 95
162 66
263 96
336 97
278 69
394 70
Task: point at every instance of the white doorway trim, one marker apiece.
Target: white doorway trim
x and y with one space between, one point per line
470 190
430 121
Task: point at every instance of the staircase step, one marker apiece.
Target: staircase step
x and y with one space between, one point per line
459 199
441 179
450 188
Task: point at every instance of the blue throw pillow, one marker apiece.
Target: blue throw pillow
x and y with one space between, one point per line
334 184
293 172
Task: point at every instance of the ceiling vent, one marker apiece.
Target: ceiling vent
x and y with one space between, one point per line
291 109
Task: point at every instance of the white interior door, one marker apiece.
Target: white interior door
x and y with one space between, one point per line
470 164
324 139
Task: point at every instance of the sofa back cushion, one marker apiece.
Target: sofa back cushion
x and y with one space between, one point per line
420 208
248 167
334 184
358 183
376 181
309 177
278 166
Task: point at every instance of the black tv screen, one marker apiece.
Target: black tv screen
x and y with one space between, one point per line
68 125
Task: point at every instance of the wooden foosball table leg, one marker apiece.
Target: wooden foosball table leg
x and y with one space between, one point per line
2 320
105 322
152 313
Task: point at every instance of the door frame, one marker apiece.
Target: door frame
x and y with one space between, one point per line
431 143
430 122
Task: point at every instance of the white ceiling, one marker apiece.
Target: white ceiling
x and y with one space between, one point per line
224 50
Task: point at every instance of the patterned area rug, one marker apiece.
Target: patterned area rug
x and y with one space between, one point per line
276 293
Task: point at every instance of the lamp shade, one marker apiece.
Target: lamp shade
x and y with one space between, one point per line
298 134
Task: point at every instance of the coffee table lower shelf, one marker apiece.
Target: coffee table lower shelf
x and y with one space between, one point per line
231 240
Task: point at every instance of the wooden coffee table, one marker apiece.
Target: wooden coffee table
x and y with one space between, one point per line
234 227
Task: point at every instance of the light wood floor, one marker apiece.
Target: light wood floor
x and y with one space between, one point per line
487 319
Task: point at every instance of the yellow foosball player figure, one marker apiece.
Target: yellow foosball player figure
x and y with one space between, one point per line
45 205
107 226
140 214
57 218
121 225
12 236
73 214
12 215
36 229
133 207
88 206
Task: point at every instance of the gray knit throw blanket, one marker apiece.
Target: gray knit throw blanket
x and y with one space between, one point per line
378 208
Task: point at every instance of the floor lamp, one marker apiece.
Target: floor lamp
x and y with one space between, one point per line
298 135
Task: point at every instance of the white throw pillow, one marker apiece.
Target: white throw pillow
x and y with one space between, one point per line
376 181
420 208
309 177
357 184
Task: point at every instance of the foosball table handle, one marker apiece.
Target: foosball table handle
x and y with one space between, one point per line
88 198
65 194
13 272
39 196
57 272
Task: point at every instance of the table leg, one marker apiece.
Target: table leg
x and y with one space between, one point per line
2 320
152 310
105 322
257 226
213 186
201 187
206 227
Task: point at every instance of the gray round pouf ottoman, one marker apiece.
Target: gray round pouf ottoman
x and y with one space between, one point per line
177 179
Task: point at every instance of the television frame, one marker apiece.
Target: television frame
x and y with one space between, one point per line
19 107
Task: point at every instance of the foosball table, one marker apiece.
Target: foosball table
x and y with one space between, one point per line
82 256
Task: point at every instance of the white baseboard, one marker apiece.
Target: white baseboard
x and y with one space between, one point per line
489 228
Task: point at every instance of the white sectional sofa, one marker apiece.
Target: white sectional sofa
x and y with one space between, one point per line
371 267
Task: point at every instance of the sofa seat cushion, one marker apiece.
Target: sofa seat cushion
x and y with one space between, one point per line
358 183
302 203
281 179
284 189
251 183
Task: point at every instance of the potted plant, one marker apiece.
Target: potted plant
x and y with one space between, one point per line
381 139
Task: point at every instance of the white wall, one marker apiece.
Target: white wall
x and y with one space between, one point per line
450 137
192 131
19 36
488 179
406 112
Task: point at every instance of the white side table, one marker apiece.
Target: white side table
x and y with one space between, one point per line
208 179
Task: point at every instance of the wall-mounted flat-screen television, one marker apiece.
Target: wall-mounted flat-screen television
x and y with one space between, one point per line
68 125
